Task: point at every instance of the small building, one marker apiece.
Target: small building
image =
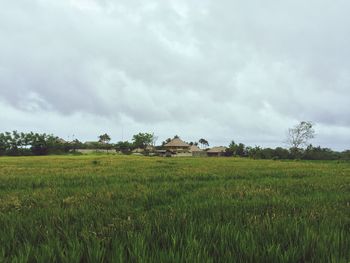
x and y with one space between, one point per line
163 153
148 150
89 151
177 145
197 152
138 150
195 148
217 151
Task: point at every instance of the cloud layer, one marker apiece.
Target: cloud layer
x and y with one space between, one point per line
243 70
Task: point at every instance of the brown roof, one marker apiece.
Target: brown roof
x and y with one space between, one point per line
195 148
218 149
176 142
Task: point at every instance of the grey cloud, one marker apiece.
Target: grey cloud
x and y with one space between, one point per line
248 68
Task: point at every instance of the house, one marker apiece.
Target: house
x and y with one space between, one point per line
195 148
217 151
197 152
177 145
138 151
150 148
89 151
147 150
163 153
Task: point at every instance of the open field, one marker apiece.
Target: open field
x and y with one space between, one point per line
139 209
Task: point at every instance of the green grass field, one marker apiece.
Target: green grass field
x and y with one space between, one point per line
142 209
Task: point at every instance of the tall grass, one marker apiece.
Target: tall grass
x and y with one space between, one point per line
138 209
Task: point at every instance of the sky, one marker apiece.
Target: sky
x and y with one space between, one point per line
243 70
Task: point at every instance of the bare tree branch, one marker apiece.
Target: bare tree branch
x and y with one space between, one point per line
300 134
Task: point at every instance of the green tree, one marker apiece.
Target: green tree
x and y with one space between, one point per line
255 152
75 144
142 140
203 142
104 138
281 153
237 149
240 151
3 144
124 146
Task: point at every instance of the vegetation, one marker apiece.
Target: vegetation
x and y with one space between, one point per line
237 149
124 147
300 135
138 209
18 144
279 153
104 138
203 142
142 140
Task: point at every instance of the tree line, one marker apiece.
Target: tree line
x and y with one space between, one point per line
19 143
309 153
297 139
15 143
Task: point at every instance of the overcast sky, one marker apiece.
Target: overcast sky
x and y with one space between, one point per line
244 70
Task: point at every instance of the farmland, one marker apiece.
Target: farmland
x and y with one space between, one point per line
147 209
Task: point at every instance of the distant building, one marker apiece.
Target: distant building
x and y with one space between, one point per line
91 143
89 151
148 149
63 141
177 145
195 148
217 151
138 150
197 152
163 153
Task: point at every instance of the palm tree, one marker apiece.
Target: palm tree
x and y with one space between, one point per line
104 138
203 142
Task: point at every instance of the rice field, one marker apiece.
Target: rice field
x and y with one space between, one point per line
146 209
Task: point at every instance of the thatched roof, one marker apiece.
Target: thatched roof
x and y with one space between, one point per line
218 149
195 148
176 142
